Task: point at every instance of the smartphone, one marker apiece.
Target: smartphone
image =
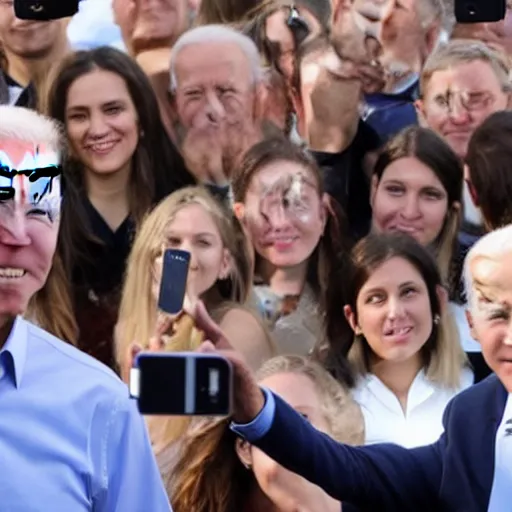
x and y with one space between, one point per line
45 10
182 384
480 11
174 281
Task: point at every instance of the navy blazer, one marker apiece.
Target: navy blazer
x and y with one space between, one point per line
454 474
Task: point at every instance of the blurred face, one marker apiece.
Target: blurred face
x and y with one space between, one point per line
29 222
285 489
101 122
409 198
194 230
393 311
214 86
490 316
284 213
457 100
28 39
150 23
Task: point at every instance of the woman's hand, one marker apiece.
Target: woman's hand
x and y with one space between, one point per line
248 397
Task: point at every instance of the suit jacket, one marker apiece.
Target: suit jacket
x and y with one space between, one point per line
454 474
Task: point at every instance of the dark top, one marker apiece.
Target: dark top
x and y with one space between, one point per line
346 181
97 284
455 474
27 98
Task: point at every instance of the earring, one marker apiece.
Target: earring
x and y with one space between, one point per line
247 466
437 319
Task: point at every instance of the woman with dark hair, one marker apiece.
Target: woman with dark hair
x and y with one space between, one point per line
119 163
408 364
416 189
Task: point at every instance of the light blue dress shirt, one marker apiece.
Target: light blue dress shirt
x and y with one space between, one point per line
71 439
260 425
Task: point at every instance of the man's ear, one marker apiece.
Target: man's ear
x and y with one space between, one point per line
421 113
471 323
351 319
243 451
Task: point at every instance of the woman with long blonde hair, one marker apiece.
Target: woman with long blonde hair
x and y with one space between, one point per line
219 472
220 274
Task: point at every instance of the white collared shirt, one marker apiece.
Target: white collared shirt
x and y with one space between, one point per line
421 424
501 494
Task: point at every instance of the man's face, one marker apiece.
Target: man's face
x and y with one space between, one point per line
214 86
147 24
491 313
457 100
497 35
29 221
27 39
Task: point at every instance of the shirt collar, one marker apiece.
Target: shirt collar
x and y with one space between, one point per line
16 346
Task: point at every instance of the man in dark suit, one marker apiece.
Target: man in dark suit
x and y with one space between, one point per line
469 469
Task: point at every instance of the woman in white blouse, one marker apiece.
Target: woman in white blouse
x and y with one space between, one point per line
407 368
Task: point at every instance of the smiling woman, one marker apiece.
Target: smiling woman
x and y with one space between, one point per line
112 177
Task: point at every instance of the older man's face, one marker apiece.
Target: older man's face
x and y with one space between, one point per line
491 313
29 221
215 86
147 24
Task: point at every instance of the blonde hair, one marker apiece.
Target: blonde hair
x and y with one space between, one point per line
209 477
138 309
462 51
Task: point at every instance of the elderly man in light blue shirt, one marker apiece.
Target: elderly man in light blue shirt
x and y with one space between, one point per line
71 439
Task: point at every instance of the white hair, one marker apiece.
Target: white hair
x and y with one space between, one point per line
27 125
494 245
211 34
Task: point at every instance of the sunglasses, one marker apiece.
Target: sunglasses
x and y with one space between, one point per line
298 26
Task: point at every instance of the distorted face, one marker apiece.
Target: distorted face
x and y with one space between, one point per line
150 23
457 100
409 198
287 490
28 39
214 85
194 230
102 122
490 315
397 26
286 38
393 311
284 213
497 35
29 221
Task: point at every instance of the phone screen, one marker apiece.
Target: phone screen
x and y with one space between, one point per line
45 10
184 384
174 281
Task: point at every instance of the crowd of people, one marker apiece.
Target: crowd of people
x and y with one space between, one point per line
338 172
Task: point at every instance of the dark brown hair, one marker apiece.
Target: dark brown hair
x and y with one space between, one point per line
158 169
489 161
432 151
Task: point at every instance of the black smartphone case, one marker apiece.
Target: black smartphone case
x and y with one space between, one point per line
45 10
174 281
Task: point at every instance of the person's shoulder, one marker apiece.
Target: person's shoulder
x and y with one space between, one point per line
74 362
480 396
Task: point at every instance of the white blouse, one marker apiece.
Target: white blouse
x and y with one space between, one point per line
421 424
